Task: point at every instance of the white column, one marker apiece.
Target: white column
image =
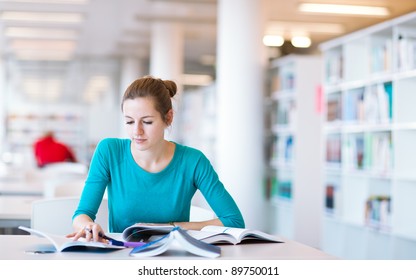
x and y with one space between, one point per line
131 69
3 99
167 62
241 63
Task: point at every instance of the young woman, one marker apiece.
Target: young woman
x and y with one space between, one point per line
150 179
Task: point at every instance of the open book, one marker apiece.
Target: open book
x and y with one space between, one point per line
218 234
145 232
177 240
62 243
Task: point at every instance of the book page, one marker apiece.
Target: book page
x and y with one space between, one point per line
61 242
241 234
177 240
143 232
237 233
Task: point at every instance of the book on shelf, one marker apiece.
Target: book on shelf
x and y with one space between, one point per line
333 148
381 56
230 235
62 243
329 197
406 50
378 211
334 65
334 108
177 240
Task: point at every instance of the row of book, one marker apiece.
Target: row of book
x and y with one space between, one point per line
381 56
283 81
368 104
407 50
286 112
333 148
371 152
377 207
278 187
358 151
378 212
334 67
282 148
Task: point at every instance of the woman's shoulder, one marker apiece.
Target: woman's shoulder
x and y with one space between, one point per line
189 152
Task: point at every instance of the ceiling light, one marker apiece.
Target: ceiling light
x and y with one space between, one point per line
273 40
50 1
343 9
40 33
43 55
280 27
42 17
59 45
301 41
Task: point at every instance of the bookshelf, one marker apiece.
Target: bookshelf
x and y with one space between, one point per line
198 119
198 116
293 145
369 135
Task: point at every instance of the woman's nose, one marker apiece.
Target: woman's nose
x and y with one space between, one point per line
139 129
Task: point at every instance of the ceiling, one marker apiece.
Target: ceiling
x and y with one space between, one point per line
115 28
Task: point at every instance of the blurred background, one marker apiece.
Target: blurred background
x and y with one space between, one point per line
64 65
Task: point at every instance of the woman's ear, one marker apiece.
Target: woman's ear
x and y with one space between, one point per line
169 117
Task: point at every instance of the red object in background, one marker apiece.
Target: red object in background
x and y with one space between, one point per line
47 150
319 99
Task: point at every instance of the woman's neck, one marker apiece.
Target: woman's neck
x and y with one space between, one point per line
155 159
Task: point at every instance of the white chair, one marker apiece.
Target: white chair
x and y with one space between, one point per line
63 179
66 186
54 215
200 214
65 168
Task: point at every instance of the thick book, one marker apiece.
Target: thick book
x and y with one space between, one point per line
230 235
145 232
62 243
177 240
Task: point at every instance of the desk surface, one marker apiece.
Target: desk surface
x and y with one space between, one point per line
14 247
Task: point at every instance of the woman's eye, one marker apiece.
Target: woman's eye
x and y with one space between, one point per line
129 122
147 122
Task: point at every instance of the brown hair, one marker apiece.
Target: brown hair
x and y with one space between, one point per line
160 90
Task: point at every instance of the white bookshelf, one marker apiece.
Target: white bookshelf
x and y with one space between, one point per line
369 136
294 148
198 120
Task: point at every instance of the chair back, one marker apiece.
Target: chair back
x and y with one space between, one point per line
64 186
199 214
54 215
65 168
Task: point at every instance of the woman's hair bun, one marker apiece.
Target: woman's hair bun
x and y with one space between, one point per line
171 86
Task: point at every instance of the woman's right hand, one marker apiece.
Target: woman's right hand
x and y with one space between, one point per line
89 230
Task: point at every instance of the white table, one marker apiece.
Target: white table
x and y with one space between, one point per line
16 247
21 187
15 210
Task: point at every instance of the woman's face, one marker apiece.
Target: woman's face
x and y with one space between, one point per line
143 123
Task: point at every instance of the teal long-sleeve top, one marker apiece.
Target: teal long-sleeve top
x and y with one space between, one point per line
138 196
